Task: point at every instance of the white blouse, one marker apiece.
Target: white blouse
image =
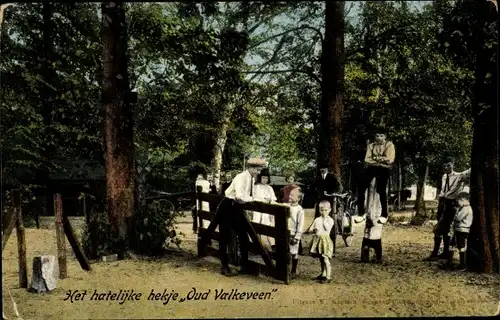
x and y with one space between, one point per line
322 226
264 192
205 185
205 188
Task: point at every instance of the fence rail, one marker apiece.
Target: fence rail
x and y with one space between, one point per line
275 265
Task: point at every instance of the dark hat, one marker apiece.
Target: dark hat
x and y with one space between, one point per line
323 164
379 128
463 195
449 160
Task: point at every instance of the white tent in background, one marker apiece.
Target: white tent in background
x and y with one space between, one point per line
430 193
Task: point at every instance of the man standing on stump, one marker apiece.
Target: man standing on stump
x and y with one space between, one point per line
232 214
379 159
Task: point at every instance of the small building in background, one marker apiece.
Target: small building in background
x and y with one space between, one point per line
430 193
74 177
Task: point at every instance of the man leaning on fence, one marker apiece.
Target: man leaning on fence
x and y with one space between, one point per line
452 185
238 193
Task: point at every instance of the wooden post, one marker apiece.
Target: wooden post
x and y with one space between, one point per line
61 243
77 249
195 213
21 242
9 226
84 209
282 248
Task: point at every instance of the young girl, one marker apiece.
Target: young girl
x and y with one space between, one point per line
295 225
262 191
322 244
202 185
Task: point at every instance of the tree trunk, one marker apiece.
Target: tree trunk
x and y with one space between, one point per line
332 70
2 9
118 125
420 201
220 144
483 250
48 76
400 183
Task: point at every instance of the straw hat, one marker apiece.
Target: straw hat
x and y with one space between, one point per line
257 163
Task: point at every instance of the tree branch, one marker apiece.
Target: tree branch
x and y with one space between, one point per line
284 33
309 73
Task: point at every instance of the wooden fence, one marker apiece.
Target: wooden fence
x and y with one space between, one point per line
277 265
14 218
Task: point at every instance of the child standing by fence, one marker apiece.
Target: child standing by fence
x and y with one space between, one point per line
461 228
322 244
295 225
262 191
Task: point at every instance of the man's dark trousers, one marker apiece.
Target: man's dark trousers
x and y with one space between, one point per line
232 219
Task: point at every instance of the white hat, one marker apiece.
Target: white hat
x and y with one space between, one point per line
257 162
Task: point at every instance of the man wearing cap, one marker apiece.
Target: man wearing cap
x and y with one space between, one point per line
239 192
452 184
325 182
379 159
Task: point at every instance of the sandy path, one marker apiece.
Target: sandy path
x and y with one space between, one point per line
402 286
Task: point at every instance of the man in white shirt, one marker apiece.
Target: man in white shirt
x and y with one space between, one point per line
239 192
451 185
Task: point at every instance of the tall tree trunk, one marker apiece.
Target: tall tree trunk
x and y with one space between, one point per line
332 70
420 200
483 250
220 144
2 10
118 125
48 100
400 181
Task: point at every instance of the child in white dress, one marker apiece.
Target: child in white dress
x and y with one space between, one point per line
295 225
203 185
322 244
373 229
262 191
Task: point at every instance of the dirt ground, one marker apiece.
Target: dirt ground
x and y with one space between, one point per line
402 286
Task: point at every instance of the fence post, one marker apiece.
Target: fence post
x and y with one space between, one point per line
282 247
61 243
21 241
84 209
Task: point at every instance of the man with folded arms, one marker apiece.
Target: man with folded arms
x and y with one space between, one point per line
378 161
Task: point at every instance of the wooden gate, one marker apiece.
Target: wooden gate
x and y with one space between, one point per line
277 265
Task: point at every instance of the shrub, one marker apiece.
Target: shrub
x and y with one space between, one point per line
154 228
96 235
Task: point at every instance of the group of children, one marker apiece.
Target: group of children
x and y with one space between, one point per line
454 209
321 245
455 217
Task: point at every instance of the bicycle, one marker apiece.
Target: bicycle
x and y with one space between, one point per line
344 218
